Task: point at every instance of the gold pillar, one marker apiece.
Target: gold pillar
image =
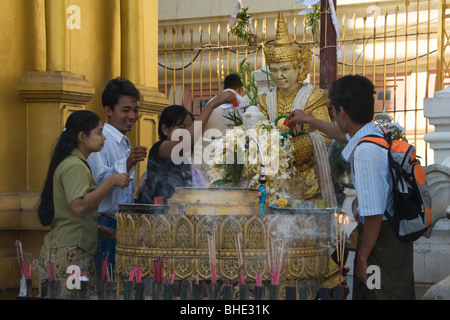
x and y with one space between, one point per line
38 45
58 53
132 40
113 12
133 60
50 97
442 44
50 92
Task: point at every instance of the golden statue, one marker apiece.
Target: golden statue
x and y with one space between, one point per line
289 66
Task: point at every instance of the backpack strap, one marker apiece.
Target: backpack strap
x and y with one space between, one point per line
386 143
380 141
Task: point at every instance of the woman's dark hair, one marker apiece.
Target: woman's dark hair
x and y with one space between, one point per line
173 115
115 89
355 94
79 121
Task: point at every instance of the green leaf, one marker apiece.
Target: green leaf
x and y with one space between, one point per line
221 182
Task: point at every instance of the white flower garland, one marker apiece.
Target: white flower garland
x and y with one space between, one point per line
278 158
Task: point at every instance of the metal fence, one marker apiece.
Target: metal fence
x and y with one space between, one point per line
402 47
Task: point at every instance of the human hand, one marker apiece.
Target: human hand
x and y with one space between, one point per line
106 233
137 154
297 116
361 269
260 194
121 180
227 96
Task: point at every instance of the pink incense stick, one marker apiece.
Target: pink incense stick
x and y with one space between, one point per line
213 274
50 271
130 278
241 276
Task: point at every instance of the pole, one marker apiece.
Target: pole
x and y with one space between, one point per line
328 57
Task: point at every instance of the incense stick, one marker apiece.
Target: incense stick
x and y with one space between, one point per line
275 261
240 260
212 255
340 243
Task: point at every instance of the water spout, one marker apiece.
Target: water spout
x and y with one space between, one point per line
262 174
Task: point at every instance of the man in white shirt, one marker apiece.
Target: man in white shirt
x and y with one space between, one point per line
217 119
217 124
352 100
120 101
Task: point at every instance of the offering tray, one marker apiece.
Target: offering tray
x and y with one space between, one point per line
143 208
290 210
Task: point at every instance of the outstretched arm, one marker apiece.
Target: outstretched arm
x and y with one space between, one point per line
166 147
329 128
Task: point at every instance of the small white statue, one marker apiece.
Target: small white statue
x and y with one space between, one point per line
251 117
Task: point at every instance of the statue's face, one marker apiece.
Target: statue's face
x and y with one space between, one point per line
285 76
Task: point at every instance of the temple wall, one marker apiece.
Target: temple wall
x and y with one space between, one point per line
56 57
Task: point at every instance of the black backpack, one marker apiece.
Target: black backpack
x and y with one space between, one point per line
412 199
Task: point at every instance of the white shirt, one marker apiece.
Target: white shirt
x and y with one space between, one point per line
217 120
370 172
110 160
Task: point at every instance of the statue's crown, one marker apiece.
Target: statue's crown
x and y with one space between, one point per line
283 48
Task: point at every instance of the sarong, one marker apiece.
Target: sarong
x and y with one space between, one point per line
63 258
395 260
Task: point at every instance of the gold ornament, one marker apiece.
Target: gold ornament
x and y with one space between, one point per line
284 49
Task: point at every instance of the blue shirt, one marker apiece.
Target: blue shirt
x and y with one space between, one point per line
110 160
370 173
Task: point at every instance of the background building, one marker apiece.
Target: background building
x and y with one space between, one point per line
400 45
57 57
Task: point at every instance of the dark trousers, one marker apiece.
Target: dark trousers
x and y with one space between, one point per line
395 262
105 247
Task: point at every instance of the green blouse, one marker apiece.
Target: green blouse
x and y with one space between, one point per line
72 180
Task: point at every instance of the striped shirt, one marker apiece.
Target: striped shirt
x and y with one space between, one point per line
110 160
370 173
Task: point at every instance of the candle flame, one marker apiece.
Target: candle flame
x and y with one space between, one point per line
341 216
346 220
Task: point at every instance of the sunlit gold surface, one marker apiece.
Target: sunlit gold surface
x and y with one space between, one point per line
217 201
182 239
306 182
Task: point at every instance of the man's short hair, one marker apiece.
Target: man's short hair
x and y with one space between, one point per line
115 89
232 81
355 94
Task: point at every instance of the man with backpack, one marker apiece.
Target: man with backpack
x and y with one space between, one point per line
352 99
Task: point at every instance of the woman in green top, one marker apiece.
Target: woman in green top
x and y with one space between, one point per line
69 201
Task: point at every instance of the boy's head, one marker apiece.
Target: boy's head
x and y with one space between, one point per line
120 101
355 94
233 81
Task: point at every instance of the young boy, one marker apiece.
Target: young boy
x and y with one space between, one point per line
120 101
352 99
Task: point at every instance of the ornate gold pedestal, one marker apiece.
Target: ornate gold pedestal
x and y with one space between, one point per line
182 239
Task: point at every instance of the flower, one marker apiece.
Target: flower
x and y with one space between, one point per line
278 155
282 202
397 131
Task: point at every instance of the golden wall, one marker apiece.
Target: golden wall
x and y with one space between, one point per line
56 57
